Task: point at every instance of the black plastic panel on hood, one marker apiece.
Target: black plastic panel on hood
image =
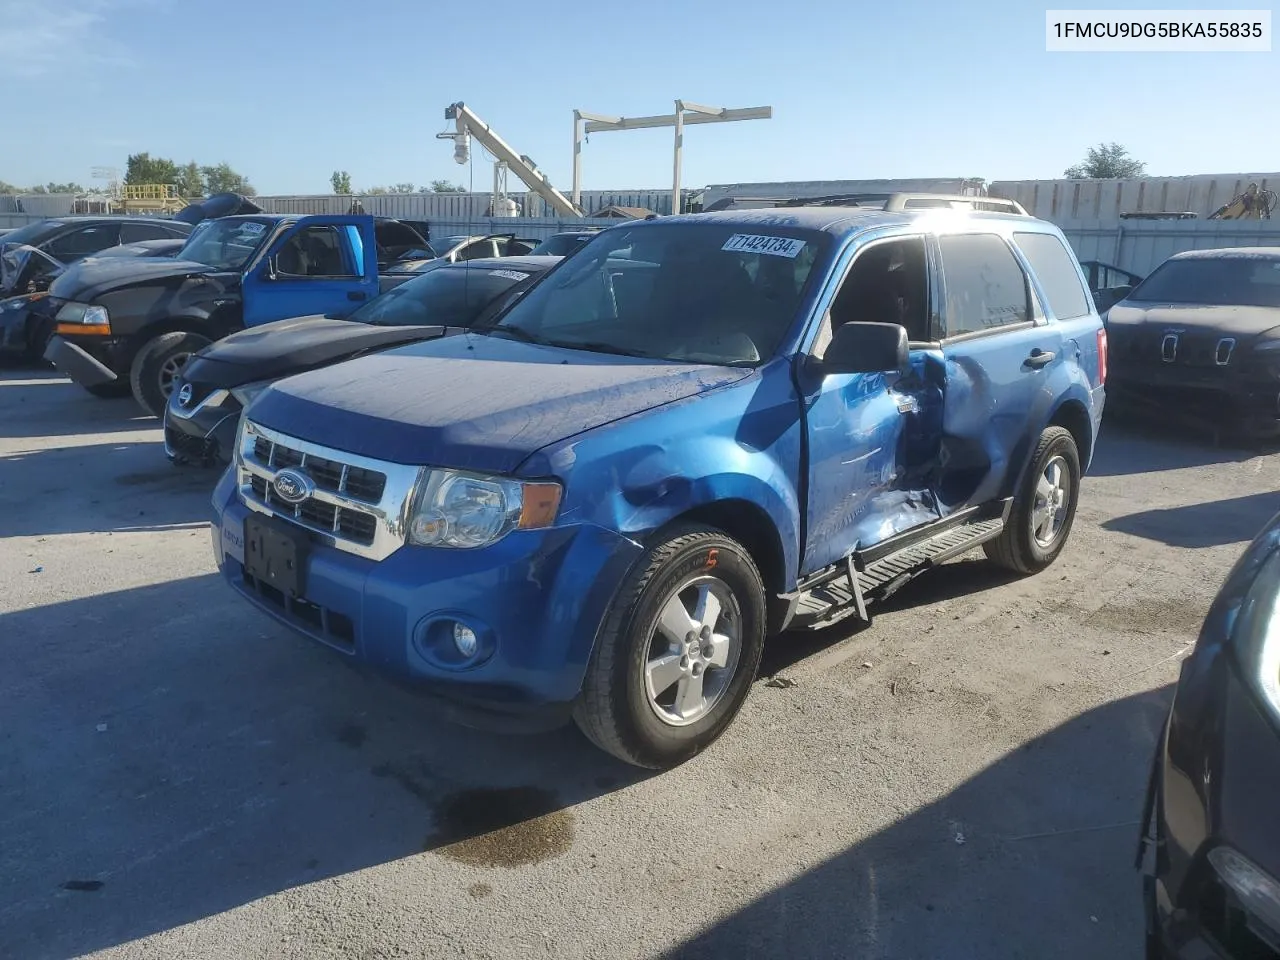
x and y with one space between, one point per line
218 205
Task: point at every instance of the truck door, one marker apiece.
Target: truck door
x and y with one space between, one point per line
321 264
999 351
873 439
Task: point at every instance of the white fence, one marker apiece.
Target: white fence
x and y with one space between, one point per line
456 206
1059 200
1142 245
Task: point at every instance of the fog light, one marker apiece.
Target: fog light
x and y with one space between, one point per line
464 638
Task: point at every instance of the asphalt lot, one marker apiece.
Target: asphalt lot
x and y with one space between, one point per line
961 779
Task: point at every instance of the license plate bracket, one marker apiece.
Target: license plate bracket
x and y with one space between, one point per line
276 555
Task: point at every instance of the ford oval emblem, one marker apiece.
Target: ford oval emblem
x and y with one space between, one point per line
185 395
292 487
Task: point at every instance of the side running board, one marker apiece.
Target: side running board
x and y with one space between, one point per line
845 589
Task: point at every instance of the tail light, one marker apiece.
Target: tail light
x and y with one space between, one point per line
1102 356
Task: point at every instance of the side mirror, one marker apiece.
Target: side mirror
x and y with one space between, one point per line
858 347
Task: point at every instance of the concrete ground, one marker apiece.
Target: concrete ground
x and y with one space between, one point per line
962 779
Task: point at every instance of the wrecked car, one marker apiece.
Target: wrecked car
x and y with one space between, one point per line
204 407
692 434
31 251
1200 339
126 326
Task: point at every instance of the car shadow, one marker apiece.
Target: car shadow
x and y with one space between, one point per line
101 487
41 403
1031 857
958 578
1130 445
169 756
1215 523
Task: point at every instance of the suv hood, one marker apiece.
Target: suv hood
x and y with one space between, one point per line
1240 322
471 401
292 346
93 277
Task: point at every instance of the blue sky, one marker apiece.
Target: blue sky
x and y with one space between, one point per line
287 91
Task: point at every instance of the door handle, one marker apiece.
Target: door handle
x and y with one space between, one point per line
1039 358
355 295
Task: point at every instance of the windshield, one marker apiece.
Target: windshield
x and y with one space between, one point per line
561 245
451 297
713 293
1240 281
224 244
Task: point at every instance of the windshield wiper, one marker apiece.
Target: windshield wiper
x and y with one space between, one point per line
597 346
517 333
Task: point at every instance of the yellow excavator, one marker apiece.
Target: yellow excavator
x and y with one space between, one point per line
1254 204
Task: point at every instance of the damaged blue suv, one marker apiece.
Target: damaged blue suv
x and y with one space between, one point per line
695 433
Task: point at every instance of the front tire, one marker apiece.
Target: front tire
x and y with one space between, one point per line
157 365
1044 508
677 652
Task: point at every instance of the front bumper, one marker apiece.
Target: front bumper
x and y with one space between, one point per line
90 362
204 435
1216 776
535 599
1214 396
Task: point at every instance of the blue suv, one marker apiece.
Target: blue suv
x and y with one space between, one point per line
697 432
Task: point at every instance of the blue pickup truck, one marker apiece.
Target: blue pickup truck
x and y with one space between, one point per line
130 325
696 432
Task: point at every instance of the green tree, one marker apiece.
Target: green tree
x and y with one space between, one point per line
6 187
1107 161
403 188
445 186
190 181
376 191
222 179
340 181
144 168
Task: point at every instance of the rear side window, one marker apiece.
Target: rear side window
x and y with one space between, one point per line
84 241
986 288
1052 263
136 232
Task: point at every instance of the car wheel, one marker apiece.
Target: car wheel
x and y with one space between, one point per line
677 652
158 364
1044 509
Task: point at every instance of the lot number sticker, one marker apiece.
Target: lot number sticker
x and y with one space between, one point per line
509 274
773 246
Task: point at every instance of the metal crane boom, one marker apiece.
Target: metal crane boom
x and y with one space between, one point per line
468 124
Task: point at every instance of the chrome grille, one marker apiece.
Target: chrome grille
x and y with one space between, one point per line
358 504
356 482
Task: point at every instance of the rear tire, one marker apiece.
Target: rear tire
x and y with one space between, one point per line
1044 508
677 652
158 363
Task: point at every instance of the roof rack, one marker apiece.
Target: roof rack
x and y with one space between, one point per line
895 202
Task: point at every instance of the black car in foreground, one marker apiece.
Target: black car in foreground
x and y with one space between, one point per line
1210 848
204 407
1200 338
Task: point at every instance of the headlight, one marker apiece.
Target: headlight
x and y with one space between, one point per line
89 315
454 509
1256 635
246 393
